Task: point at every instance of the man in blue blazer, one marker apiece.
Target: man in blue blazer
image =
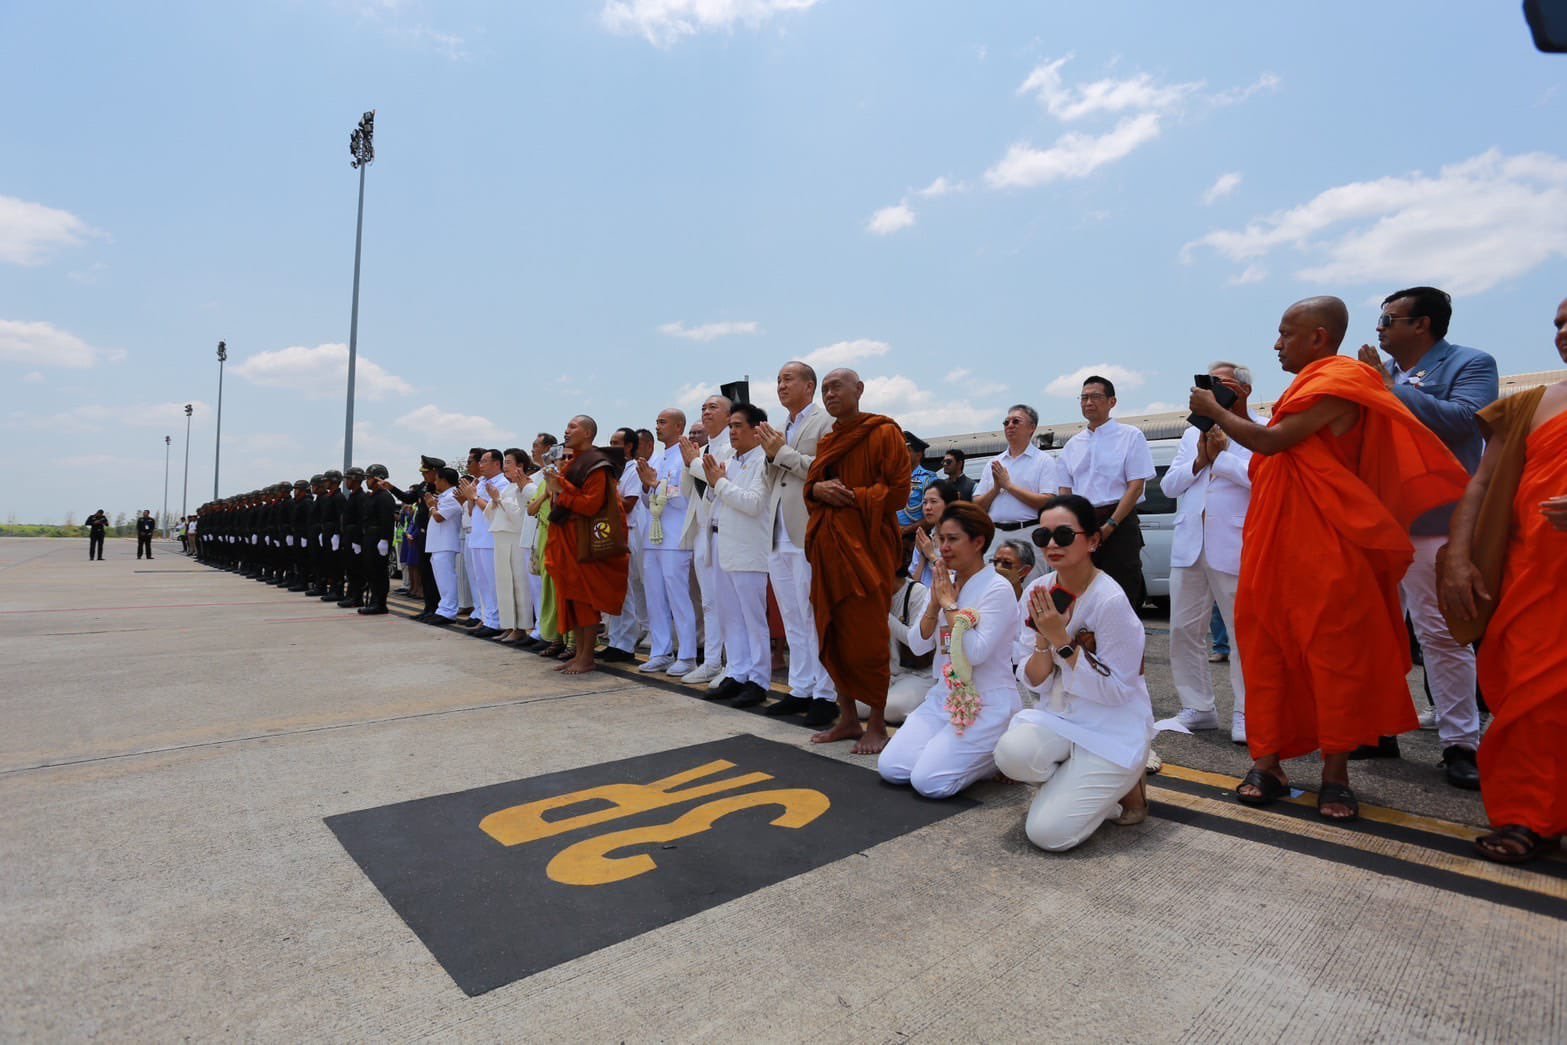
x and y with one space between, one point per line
1445 386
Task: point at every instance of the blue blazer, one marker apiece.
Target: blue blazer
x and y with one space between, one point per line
1446 389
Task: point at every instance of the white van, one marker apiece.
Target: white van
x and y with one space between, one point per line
1156 516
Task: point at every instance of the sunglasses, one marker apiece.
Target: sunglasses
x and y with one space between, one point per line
1062 535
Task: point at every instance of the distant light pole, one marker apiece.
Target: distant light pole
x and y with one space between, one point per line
185 495
167 441
361 146
217 455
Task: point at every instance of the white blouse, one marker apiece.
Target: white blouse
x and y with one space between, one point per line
988 647
1109 712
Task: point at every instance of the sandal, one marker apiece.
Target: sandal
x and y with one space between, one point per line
1530 846
1337 795
1137 814
1270 788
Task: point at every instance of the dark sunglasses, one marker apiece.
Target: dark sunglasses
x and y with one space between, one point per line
1062 535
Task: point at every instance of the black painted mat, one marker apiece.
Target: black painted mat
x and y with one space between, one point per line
504 881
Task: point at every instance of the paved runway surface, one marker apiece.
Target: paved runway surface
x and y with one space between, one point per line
176 739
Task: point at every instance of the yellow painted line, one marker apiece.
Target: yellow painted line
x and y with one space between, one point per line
1379 814
1513 877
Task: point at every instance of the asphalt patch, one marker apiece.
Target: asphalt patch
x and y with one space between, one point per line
504 881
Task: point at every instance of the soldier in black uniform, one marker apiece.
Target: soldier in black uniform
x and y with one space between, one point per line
332 506
378 524
97 525
298 539
313 545
428 468
353 521
146 526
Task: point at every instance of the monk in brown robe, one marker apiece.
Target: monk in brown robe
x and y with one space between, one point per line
856 485
1338 475
1523 663
583 590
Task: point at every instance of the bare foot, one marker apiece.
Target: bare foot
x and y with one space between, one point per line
577 666
843 729
872 742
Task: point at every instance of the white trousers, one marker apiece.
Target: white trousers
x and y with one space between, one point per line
445 566
790 573
625 627
481 578
905 693
712 620
1193 591
1079 789
1450 667
929 754
535 588
464 571
513 596
666 583
742 606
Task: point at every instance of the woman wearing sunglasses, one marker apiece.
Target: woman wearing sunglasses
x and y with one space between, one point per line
1081 649
938 495
945 744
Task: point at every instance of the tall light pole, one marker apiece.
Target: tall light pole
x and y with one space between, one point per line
217 454
167 442
185 495
361 146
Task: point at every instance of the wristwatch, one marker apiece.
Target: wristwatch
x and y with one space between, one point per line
1110 522
1065 652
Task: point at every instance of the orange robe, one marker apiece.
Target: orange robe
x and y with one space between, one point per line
1317 613
583 590
1523 661
854 551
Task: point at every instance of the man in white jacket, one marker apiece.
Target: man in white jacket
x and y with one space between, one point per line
715 422
1211 482
740 536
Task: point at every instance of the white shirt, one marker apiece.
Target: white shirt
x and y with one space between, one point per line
1211 506
1100 463
738 522
988 647
671 468
1107 714
636 519
899 624
480 536
1034 470
443 536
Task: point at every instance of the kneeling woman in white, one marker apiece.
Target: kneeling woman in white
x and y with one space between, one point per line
946 743
1087 741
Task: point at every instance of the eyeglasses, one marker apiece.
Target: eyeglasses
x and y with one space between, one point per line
1009 422
1384 320
1062 535
1089 397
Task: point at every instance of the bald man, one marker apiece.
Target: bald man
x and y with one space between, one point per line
855 486
698 534
1338 476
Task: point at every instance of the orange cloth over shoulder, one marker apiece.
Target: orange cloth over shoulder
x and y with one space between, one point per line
583 589
854 551
1317 612
1523 661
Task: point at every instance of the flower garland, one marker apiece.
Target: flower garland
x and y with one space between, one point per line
659 499
963 703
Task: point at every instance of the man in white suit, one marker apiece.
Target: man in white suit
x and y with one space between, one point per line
666 560
715 422
740 536
1211 484
789 456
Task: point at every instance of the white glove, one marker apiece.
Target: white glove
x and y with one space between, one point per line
334 542
290 540
382 547
321 539
358 550
254 539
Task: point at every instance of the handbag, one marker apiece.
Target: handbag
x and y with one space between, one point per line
603 536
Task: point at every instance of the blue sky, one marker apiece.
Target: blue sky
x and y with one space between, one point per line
612 207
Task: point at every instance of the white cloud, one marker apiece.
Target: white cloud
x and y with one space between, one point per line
96 417
940 187
710 331
664 23
1137 94
29 231
44 344
1268 82
1222 187
1250 274
924 411
32 378
1073 155
1070 386
320 373
891 219
842 353
1476 224
433 423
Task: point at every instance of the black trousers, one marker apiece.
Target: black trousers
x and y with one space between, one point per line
354 570
377 581
1121 556
95 546
431 590
144 543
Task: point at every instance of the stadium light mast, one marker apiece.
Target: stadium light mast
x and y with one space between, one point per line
168 442
185 494
217 454
361 146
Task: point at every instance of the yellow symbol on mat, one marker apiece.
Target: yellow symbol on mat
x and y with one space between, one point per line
589 863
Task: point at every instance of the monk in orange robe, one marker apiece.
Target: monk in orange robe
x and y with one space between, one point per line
856 485
583 590
1338 475
1523 661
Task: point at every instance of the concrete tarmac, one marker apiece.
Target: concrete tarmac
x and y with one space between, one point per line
175 735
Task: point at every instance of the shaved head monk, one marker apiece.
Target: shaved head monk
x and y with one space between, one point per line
1338 475
853 491
590 576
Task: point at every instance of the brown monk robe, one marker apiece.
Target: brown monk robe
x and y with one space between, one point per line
856 485
583 590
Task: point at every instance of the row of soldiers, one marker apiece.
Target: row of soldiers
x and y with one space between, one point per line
327 537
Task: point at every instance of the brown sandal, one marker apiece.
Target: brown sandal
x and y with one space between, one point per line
1136 815
1529 846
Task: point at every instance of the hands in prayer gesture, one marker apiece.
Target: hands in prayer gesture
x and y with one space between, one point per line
648 476
926 546
714 469
1373 359
772 439
999 470
1049 624
943 591
689 450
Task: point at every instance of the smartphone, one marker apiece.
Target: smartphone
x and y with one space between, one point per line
1062 598
1222 392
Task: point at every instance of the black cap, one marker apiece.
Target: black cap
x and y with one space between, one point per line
915 442
332 475
378 471
430 464
317 479
355 472
301 484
